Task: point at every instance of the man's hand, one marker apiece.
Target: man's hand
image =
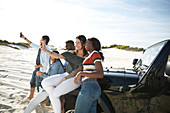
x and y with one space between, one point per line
77 77
37 66
23 36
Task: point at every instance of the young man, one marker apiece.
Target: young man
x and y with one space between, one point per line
70 45
42 62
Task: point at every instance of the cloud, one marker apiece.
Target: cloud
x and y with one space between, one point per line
112 21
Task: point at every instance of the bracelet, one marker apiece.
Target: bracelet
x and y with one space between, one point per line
25 38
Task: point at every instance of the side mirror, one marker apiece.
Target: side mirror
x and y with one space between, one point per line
135 61
167 68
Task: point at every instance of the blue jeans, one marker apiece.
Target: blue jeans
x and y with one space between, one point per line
87 99
34 80
55 68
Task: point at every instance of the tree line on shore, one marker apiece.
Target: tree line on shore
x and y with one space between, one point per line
122 47
6 43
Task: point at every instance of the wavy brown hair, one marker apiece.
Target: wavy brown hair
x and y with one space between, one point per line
82 39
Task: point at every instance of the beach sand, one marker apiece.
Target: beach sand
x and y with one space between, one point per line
16 67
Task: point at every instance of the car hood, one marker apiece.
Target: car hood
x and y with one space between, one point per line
121 77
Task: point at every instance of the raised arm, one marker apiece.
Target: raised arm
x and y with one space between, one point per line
28 41
52 54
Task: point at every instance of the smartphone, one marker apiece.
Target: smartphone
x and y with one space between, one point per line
43 44
21 34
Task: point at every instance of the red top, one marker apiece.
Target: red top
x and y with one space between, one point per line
89 62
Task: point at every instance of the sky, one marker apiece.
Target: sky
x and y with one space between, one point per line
137 23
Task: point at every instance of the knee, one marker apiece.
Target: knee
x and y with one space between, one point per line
32 84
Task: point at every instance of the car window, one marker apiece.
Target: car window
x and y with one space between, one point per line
149 55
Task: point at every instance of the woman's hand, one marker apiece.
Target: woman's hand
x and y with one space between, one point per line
79 74
62 80
43 48
71 51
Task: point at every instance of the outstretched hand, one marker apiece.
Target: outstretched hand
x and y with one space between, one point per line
22 37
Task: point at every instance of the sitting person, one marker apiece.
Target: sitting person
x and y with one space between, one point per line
69 47
55 68
59 84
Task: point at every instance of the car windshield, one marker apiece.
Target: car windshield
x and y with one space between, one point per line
150 54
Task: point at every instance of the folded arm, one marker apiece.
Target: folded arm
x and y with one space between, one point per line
97 74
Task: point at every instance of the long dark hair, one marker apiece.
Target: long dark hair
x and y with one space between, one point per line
96 45
82 39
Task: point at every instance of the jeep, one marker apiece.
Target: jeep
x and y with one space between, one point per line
143 89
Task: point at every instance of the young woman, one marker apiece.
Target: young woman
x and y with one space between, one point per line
61 84
92 69
55 68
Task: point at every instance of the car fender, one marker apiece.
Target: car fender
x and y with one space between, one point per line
105 104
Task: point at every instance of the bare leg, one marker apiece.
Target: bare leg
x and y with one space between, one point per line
32 90
62 99
44 101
